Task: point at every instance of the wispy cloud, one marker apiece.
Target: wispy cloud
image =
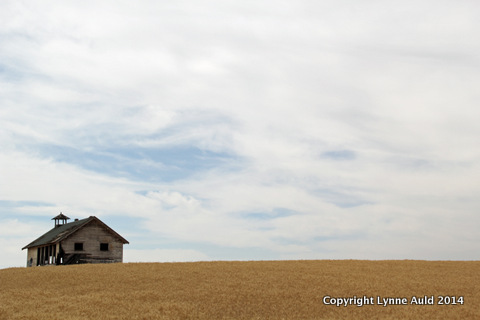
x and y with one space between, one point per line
286 129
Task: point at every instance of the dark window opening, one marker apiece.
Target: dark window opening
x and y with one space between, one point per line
78 246
103 246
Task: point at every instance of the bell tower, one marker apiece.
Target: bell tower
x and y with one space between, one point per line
60 220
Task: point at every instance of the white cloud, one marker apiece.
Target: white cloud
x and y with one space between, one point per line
12 255
13 227
163 255
280 90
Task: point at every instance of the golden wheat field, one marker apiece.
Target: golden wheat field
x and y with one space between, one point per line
244 290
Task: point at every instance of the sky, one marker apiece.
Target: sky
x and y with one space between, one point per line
244 130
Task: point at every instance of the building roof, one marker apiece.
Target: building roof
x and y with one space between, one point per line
61 216
63 231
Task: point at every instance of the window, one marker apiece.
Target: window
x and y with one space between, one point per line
103 246
78 246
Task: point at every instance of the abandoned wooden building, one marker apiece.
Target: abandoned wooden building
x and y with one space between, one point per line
81 241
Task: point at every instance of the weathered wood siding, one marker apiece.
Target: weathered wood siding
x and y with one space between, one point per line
92 235
32 254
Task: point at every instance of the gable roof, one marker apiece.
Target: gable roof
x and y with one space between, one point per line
63 231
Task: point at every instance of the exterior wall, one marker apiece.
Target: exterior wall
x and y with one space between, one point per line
32 257
42 255
91 236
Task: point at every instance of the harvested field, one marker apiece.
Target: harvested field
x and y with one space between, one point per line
242 290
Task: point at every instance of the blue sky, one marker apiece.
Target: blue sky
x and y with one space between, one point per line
213 130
